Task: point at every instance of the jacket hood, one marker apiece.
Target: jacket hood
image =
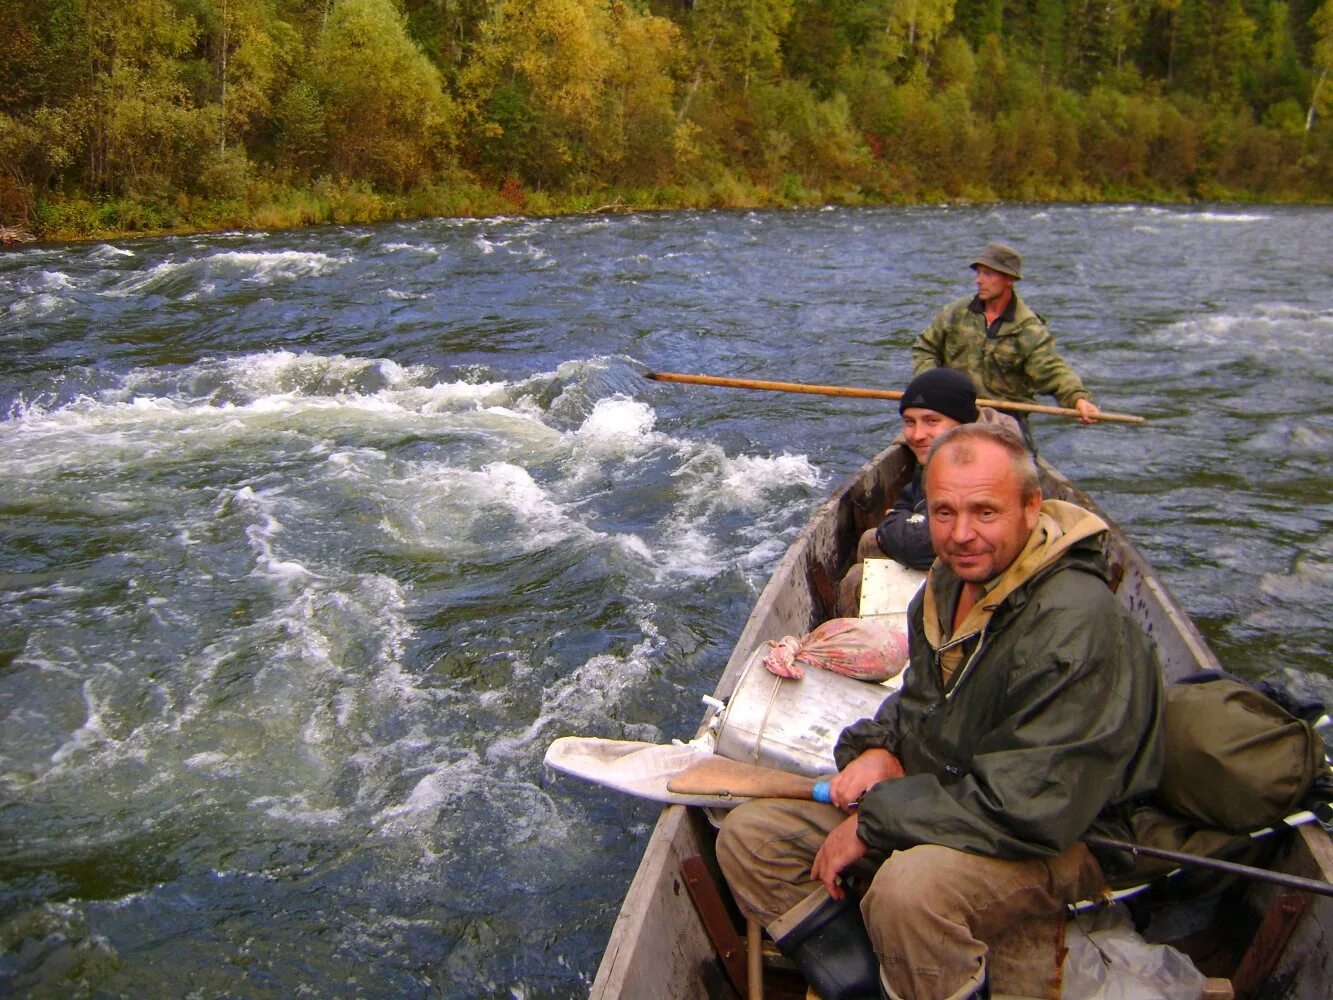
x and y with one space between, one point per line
996 418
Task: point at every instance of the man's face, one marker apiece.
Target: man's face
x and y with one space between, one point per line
991 284
978 520
921 427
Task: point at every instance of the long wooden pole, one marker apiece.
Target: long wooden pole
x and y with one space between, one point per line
845 390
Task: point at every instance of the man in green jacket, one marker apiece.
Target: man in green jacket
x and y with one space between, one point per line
1003 345
1030 716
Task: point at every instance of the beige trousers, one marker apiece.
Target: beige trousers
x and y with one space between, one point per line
929 910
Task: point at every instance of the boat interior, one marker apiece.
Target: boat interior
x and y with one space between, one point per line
679 934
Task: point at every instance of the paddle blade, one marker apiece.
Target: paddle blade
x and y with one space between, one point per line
640 769
734 778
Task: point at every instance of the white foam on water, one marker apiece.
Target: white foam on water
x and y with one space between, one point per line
330 669
689 551
106 253
297 810
37 306
425 801
531 503
275 265
178 415
264 505
436 507
618 419
327 660
47 281
255 267
1267 327
750 478
1225 217
282 372
421 248
51 590
87 736
715 485
617 429
210 761
1175 214
583 700
765 554
41 295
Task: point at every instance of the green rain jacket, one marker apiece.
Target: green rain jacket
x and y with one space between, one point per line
1050 726
1016 364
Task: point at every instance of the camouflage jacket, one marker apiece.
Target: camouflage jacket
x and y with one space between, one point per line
1016 364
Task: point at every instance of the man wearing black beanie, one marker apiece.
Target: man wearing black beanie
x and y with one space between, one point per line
933 402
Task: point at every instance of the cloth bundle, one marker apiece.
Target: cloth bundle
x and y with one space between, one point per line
865 648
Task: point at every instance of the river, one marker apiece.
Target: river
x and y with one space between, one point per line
314 540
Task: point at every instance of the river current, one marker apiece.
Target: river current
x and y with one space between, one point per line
313 541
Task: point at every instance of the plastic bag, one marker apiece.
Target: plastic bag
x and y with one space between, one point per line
1108 960
865 648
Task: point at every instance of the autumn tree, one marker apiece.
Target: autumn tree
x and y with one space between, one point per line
1212 46
562 90
250 52
388 119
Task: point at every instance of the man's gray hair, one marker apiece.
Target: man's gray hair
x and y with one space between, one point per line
960 440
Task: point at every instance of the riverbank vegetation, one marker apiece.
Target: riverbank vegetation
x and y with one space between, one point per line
158 115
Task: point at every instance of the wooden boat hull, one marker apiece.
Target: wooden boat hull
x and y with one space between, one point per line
659 948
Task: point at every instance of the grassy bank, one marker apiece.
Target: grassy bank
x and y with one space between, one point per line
267 208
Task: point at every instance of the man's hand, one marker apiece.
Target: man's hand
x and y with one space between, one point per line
862 774
1087 411
842 848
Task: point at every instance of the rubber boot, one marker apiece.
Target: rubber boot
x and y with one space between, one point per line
831 948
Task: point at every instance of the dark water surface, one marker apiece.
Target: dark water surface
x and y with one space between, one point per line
312 543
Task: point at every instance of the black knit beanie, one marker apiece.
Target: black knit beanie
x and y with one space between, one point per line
944 390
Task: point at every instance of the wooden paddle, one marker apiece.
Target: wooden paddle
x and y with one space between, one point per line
725 777
844 390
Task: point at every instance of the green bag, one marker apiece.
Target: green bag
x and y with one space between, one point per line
1235 759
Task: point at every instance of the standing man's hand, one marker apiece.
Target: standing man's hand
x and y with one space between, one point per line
862 774
842 848
1087 411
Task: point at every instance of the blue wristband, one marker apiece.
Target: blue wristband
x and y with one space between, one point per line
820 793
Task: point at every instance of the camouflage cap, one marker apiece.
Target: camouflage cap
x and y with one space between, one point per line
999 257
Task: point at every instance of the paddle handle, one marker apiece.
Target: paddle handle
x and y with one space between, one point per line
860 393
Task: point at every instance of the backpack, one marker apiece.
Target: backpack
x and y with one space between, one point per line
1235 760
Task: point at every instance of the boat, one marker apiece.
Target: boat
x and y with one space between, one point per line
661 947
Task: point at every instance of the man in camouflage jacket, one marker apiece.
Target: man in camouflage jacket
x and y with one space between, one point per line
1003 345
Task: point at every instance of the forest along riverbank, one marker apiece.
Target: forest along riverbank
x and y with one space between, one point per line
215 115
315 540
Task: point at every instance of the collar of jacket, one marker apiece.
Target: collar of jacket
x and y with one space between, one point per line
1015 313
1060 526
